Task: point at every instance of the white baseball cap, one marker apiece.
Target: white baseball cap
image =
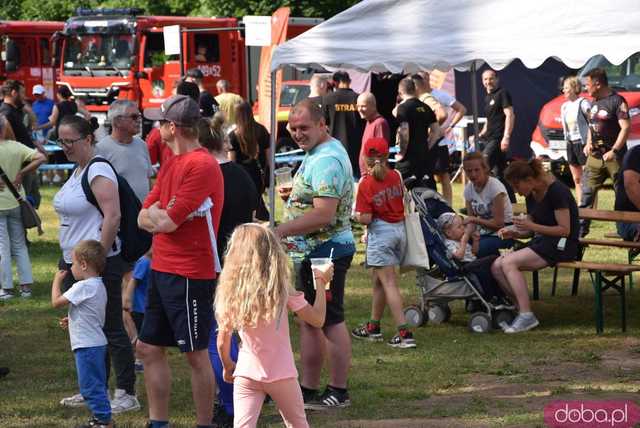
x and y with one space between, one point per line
38 90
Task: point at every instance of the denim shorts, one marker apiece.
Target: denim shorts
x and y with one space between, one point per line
386 243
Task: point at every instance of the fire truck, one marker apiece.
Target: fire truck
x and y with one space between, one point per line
110 54
547 140
25 53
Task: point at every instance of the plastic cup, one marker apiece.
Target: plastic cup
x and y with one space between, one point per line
321 263
283 178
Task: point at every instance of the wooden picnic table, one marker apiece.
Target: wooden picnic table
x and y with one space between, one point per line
604 276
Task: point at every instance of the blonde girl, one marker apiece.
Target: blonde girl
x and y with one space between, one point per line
379 204
252 297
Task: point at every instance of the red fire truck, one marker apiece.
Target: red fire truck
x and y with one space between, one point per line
25 48
547 140
116 53
110 54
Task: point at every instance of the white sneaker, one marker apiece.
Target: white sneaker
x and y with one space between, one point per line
5 294
25 293
522 323
123 402
73 401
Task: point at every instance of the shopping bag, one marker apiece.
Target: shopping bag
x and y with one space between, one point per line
30 217
415 253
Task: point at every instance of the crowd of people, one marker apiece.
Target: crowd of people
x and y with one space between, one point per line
213 269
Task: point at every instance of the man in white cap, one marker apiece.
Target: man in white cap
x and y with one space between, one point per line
41 106
182 211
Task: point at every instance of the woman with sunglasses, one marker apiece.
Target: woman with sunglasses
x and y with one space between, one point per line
66 106
80 220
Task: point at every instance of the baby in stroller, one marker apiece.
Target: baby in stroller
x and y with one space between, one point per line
455 273
457 237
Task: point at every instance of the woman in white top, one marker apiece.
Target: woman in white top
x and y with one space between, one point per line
80 220
575 126
487 203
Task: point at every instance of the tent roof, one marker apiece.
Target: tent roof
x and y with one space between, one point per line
408 35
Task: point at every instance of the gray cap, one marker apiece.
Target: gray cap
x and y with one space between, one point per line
446 219
179 109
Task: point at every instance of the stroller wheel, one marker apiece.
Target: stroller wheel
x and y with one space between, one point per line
502 316
414 316
439 313
480 323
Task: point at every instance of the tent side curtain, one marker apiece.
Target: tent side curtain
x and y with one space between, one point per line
408 35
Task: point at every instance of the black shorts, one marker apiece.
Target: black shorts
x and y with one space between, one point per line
575 153
138 318
179 312
547 248
335 306
441 159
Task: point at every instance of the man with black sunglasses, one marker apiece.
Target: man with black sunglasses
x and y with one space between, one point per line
126 151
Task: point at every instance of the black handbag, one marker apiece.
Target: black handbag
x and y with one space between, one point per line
30 217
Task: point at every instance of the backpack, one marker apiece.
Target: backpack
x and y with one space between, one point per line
135 241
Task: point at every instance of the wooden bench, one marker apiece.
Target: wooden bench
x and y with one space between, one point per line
633 248
604 276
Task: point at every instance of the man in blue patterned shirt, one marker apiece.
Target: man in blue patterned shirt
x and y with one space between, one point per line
317 224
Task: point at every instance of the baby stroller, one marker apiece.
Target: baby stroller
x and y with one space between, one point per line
447 280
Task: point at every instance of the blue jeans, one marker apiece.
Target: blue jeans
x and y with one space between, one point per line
628 231
491 244
226 389
92 379
13 242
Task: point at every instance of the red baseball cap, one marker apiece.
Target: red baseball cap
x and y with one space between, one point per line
376 147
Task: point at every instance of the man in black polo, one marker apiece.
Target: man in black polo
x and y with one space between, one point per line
417 133
607 140
13 97
497 130
341 114
628 193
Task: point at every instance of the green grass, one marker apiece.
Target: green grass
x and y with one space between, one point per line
475 380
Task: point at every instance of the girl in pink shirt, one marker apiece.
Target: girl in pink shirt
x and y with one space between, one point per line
252 297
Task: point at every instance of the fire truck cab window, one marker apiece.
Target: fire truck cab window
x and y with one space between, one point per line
24 52
154 51
207 48
102 51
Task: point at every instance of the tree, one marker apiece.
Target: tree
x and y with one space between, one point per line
306 8
61 10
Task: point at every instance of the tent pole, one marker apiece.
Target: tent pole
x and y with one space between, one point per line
272 159
474 101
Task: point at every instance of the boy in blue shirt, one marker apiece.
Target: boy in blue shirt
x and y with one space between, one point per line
135 299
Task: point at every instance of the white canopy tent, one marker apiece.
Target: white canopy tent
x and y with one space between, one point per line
410 35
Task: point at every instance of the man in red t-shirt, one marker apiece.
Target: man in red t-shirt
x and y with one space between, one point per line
376 127
182 211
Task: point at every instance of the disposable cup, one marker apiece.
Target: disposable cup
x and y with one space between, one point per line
283 177
321 263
